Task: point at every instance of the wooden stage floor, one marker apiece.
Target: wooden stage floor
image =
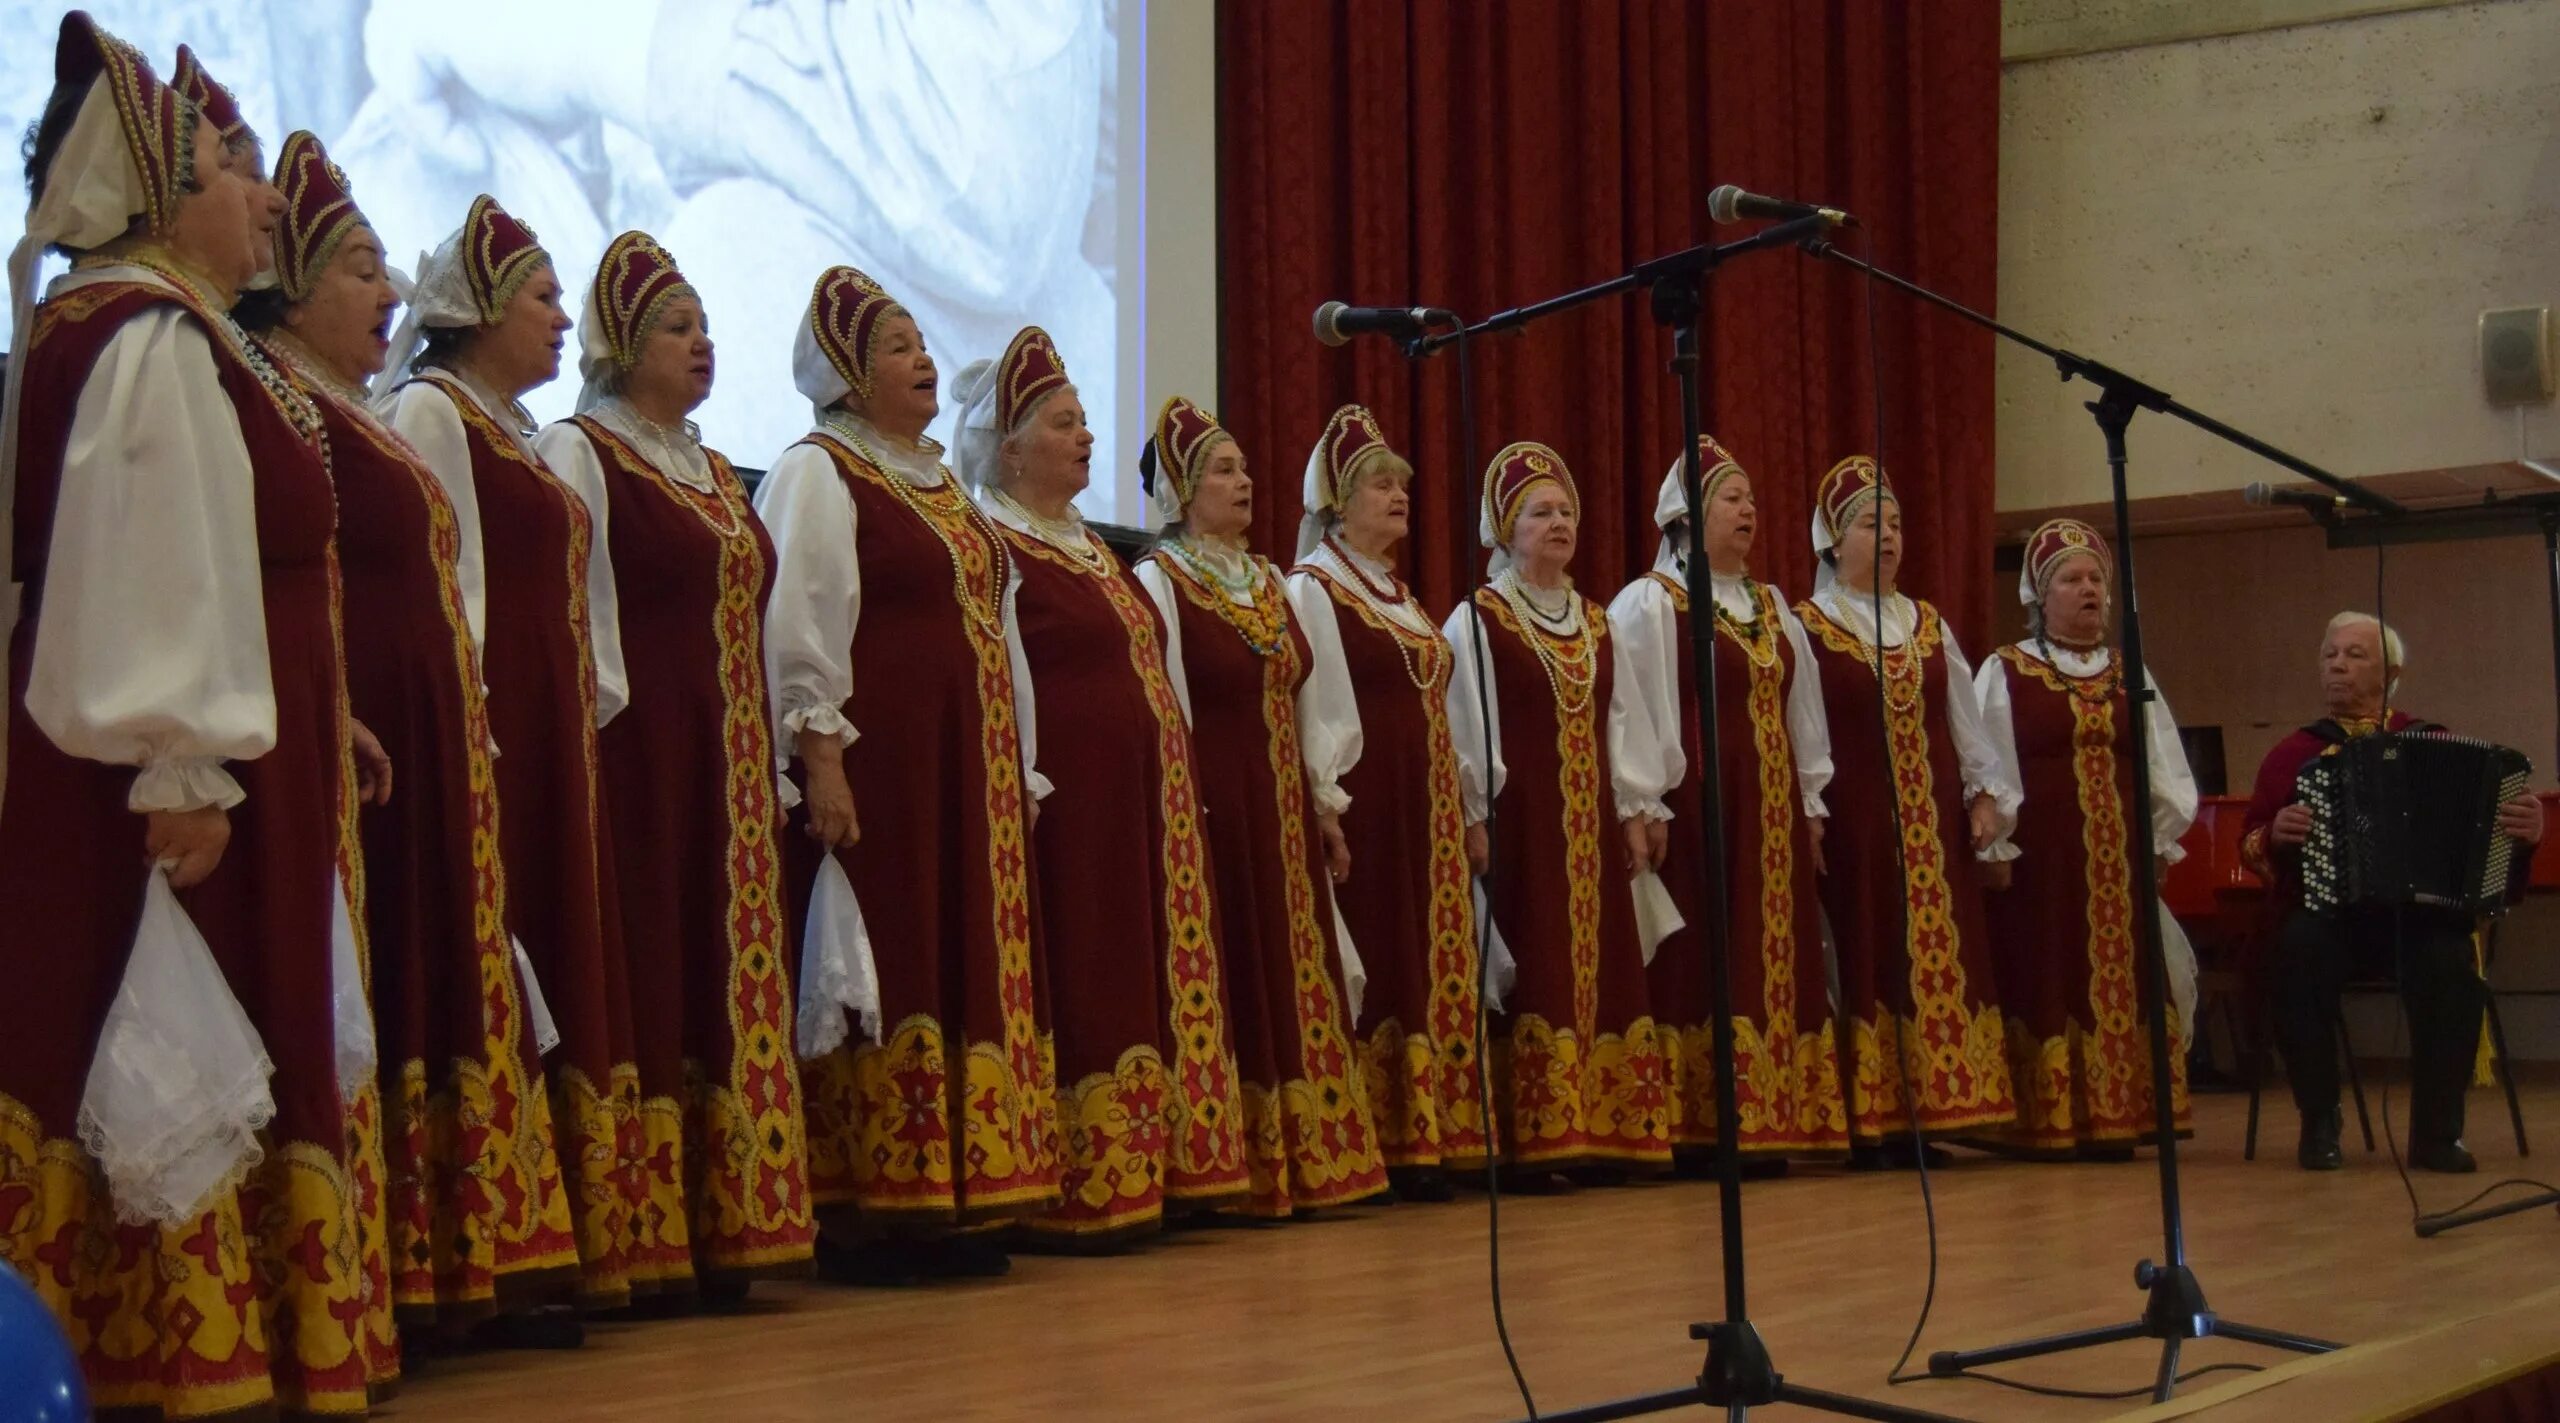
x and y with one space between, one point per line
1383 1314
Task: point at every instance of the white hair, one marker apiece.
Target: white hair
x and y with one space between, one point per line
2395 653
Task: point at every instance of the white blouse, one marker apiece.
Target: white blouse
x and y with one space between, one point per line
1643 615
1329 711
1985 772
1639 774
151 639
817 596
2173 785
423 413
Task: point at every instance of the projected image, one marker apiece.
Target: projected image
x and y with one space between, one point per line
961 151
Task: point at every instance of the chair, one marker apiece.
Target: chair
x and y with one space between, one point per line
2501 1065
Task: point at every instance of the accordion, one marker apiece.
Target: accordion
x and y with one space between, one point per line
2410 818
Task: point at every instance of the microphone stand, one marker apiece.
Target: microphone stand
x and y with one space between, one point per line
1739 1374
2176 1311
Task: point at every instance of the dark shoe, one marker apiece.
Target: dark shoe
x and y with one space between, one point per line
1426 1185
1531 1181
874 1264
2449 1157
724 1293
2319 1150
2112 1151
1898 1154
967 1257
1602 1177
553 1326
1764 1168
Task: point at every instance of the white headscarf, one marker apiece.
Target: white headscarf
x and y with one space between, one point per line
1671 502
975 442
595 355
812 372
439 298
91 195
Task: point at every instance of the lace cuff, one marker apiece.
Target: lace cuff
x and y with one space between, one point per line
826 720
1331 798
183 783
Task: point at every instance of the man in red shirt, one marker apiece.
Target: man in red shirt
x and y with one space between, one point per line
2315 954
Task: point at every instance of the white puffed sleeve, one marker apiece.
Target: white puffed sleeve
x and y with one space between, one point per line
1026 697
1471 735
571 456
2173 782
817 596
151 639
1159 586
1999 726
1639 772
1984 772
422 413
1808 722
1328 706
1647 629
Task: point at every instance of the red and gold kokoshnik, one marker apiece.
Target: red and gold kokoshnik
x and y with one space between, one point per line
212 100
847 312
1030 371
158 121
499 255
319 211
634 282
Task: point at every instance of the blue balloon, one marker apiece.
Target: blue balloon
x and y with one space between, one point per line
39 1376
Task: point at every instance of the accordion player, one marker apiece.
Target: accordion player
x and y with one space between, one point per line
2395 895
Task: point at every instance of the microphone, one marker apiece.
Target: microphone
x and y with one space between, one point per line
1732 204
1337 323
2259 496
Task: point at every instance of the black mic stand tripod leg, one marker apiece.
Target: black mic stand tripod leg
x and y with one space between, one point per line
1738 1375
2177 1310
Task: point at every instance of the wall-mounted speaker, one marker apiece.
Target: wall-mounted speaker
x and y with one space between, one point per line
2515 355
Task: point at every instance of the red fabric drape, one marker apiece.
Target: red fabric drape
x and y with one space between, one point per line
1480 155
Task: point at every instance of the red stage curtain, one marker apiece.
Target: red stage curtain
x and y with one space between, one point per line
1479 155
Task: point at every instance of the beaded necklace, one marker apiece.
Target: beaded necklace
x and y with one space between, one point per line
1068 536
1424 651
1263 624
937 509
1569 657
732 510
1757 637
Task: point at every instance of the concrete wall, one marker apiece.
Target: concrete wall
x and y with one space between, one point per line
2294 229
2289 213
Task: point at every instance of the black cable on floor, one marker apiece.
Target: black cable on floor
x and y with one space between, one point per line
2102 1395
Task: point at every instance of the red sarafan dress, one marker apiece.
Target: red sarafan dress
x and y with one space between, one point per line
1577 1060
533 539
1409 903
479 1218
1787 1077
1149 1113
1310 1140
689 783
1900 885
139 397
2065 934
889 618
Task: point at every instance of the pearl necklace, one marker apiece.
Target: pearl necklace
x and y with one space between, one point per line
1068 536
1569 658
663 446
985 609
1424 652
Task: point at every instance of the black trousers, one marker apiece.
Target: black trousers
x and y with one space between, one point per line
2317 954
